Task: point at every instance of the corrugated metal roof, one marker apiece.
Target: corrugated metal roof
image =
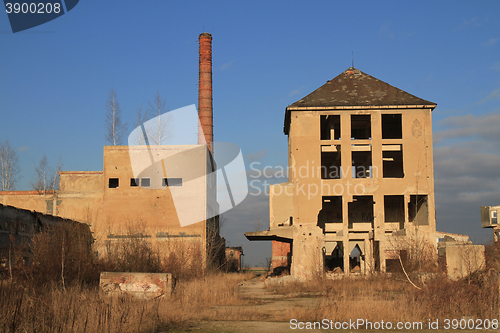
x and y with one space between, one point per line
355 88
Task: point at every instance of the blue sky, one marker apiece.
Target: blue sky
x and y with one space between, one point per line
55 79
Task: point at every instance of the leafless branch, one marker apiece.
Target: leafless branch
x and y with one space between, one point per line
115 128
159 130
9 164
40 182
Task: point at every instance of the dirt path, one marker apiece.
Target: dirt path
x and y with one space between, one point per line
261 301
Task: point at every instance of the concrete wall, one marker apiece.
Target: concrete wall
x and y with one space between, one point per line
115 213
459 260
365 225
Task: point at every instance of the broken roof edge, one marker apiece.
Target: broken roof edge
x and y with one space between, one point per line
289 109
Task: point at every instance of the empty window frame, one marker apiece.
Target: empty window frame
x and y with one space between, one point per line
391 126
331 211
494 217
418 210
361 161
134 182
394 209
145 182
330 127
331 162
392 161
171 182
113 182
361 128
360 210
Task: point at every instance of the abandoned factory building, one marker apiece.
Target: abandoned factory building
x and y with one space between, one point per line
118 205
151 198
360 179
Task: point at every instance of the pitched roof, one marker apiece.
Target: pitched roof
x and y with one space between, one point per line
353 88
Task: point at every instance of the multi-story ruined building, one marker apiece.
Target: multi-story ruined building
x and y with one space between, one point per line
360 179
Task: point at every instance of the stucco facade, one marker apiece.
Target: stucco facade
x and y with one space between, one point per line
117 204
360 176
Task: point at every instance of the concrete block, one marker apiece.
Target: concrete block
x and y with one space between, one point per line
141 285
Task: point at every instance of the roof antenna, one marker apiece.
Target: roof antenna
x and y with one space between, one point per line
352 56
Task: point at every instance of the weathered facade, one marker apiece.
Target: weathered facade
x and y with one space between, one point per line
117 205
19 226
163 194
360 182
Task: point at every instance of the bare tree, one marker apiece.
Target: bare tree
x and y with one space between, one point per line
115 128
9 165
140 120
159 127
41 170
55 175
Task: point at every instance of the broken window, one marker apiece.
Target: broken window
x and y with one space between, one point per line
331 212
330 127
355 257
391 126
334 258
113 182
145 182
360 210
392 157
134 182
394 209
330 162
171 182
494 219
418 210
361 127
362 161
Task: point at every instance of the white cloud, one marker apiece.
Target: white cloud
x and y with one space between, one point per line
496 67
296 91
492 41
227 65
466 172
495 94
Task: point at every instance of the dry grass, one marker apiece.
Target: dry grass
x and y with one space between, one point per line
394 299
37 301
86 309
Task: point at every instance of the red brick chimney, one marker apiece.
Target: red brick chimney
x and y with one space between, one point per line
205 108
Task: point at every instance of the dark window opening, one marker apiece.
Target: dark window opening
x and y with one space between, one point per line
361 161
376 255
392 263
392 159
331 162
355 259
113 182
391 126
394 209
134 181
171 182
494 219
418 210
334 261
330 127
360 210
331 211
361 128
145 182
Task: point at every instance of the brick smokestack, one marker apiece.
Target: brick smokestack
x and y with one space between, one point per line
205 108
